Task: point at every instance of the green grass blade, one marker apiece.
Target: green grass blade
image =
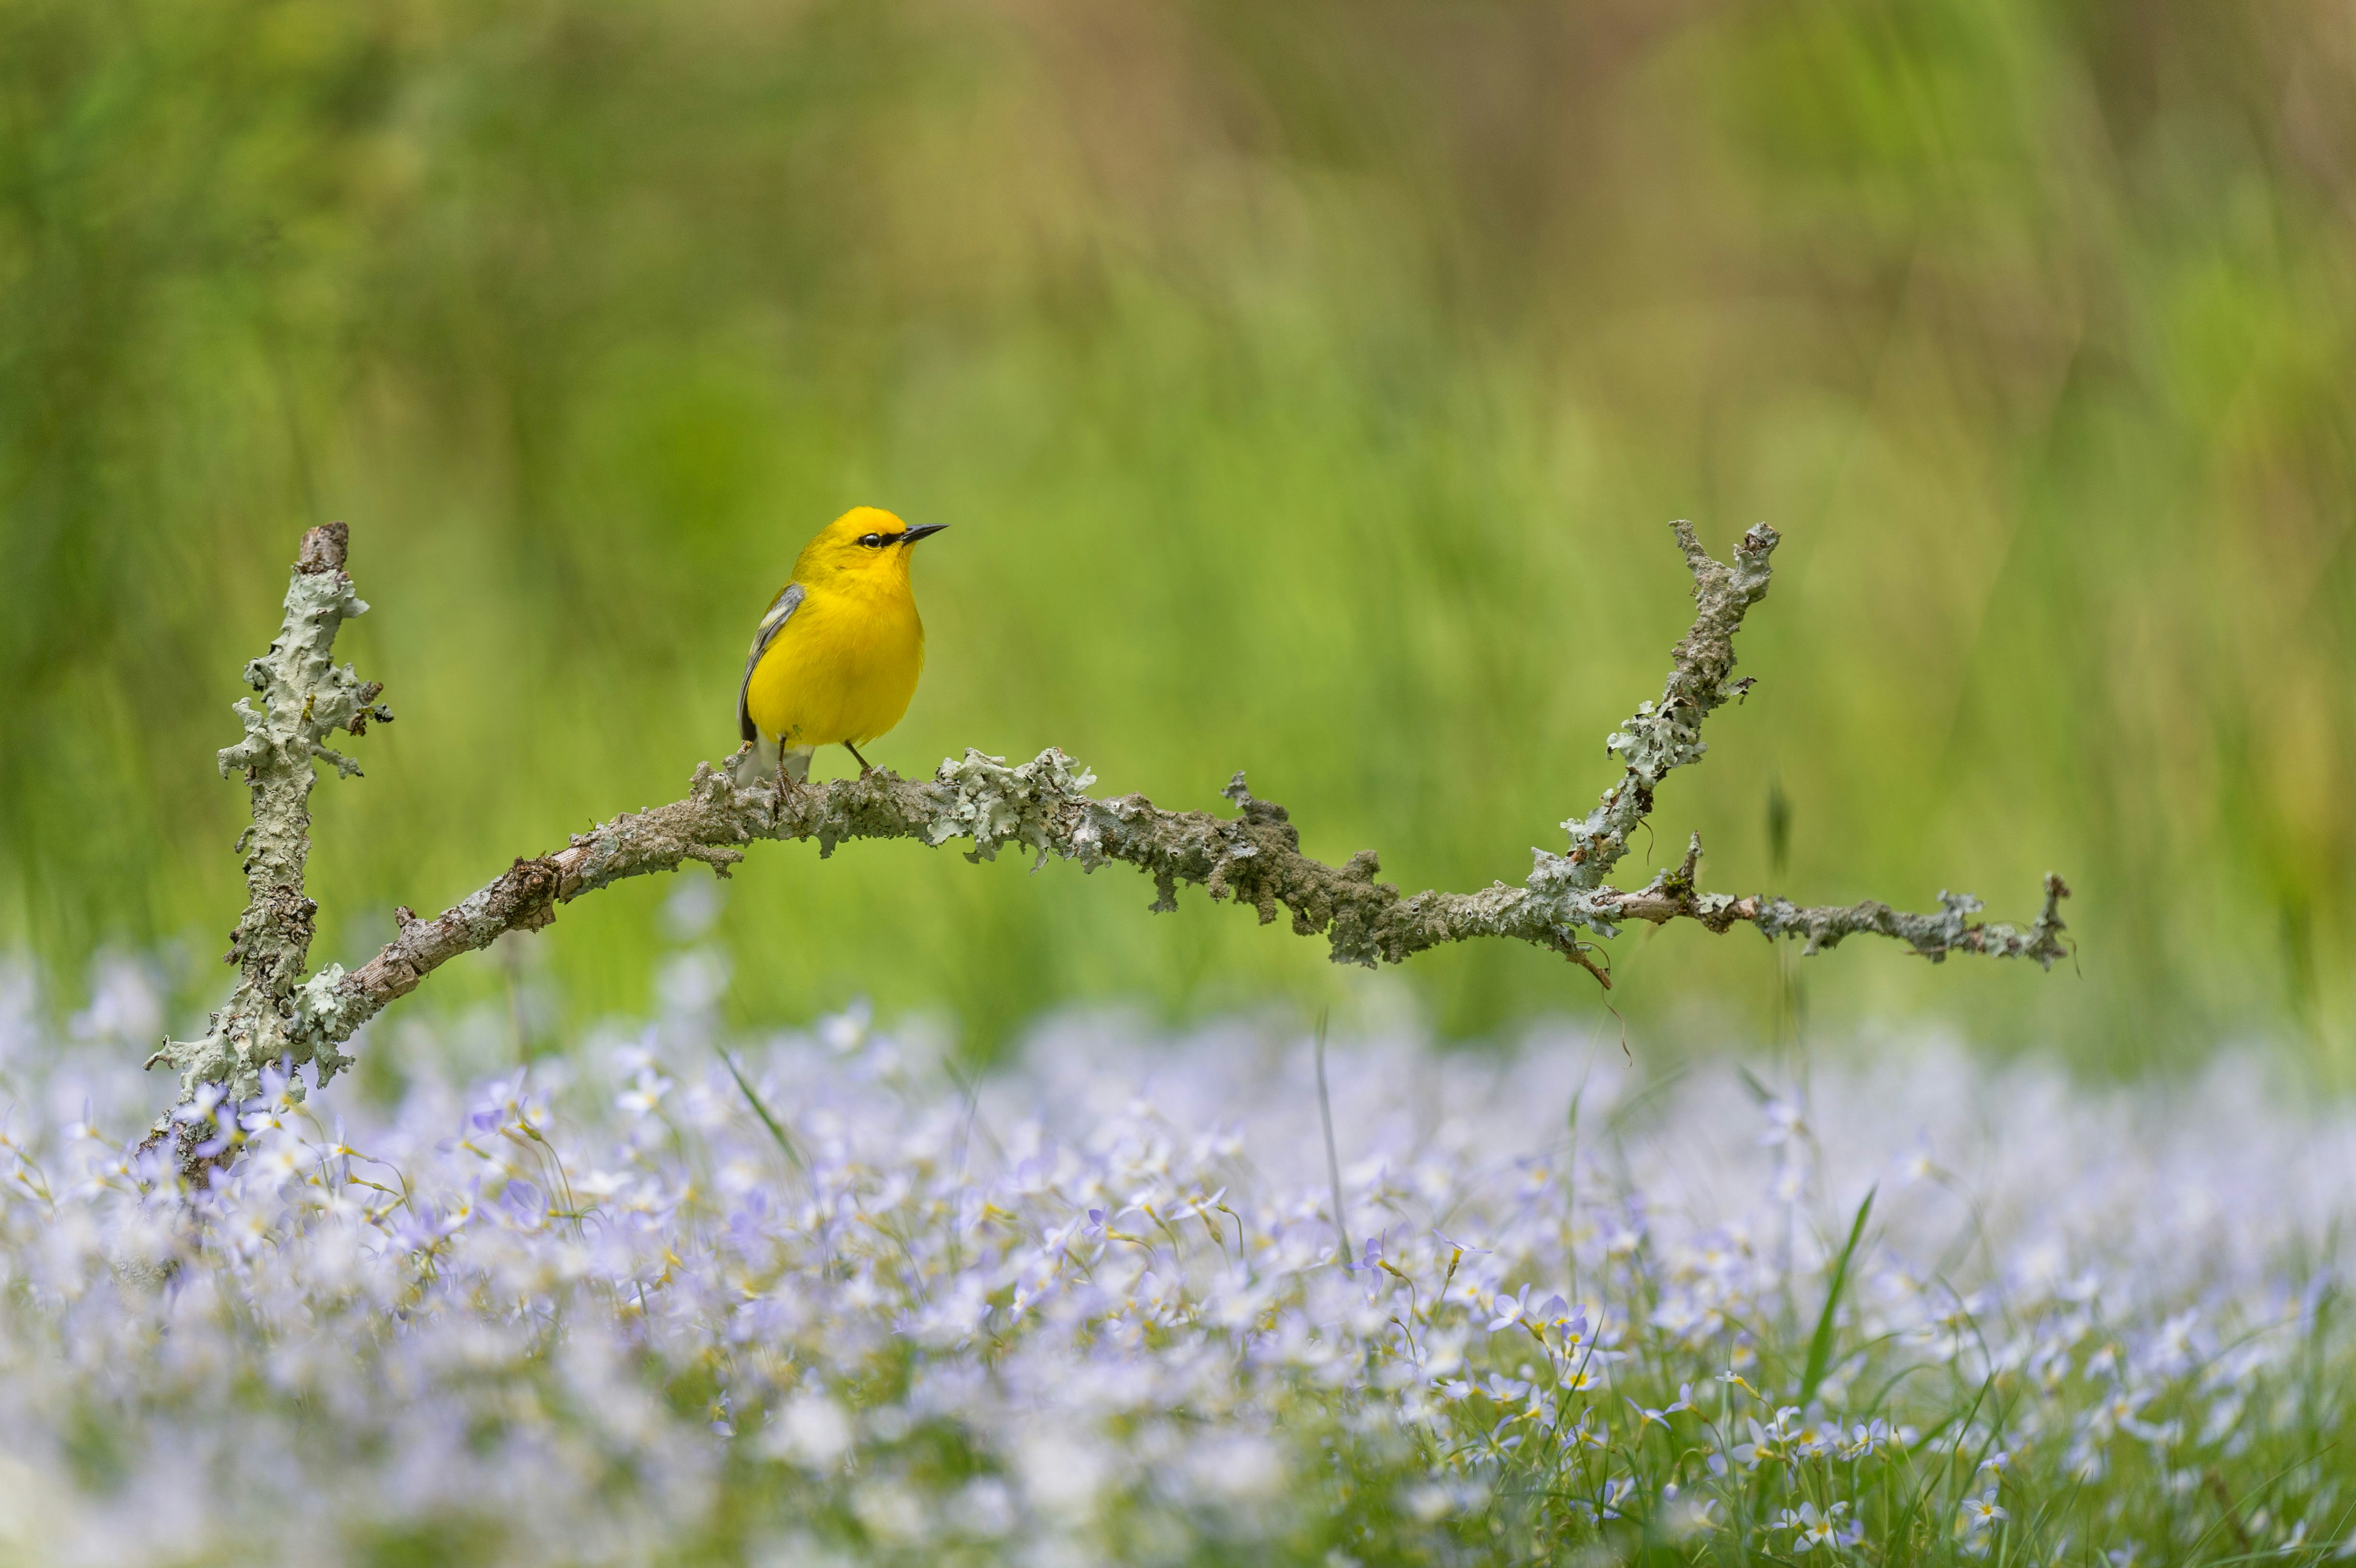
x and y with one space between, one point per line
777 1128
1820 1344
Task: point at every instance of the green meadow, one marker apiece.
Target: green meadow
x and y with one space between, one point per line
1308 389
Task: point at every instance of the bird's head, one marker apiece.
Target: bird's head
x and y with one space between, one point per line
864 543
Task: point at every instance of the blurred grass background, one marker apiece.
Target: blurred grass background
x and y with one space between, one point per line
1309 387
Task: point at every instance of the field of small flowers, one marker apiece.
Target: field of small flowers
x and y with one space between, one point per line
676 1296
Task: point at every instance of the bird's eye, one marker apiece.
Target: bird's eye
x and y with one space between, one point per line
872 541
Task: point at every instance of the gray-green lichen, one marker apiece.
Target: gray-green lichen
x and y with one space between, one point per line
301 698
1041 806
1667 734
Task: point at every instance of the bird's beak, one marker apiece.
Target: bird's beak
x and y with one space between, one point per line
912 535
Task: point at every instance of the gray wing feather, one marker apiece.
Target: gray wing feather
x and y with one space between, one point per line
781 610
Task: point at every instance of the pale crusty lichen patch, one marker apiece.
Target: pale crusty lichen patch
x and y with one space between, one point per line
300 697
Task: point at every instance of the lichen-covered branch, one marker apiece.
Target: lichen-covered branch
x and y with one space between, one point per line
305 699
1043 806
1667 734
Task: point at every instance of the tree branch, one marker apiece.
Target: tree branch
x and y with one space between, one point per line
305 699
1042 806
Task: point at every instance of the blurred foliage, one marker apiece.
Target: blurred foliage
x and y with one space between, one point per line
1309 385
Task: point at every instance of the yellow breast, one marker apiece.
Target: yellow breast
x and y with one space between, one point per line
841 668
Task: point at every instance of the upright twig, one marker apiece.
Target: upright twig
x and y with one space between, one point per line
305 699
1042 806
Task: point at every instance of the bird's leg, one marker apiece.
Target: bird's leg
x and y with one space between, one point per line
865 767
785 785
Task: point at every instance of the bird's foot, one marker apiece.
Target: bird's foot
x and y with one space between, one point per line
783 789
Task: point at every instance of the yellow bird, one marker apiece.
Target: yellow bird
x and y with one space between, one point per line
836 658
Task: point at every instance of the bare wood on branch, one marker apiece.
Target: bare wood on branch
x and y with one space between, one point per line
1042 806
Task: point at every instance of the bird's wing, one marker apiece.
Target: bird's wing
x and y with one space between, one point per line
781 610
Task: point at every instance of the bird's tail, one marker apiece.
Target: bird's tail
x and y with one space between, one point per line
762 760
